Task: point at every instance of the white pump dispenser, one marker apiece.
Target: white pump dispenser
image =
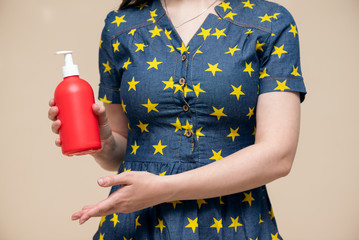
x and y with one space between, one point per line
69 69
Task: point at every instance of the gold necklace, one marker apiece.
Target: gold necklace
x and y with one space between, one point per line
191 18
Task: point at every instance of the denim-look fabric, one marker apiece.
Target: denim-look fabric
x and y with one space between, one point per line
177 125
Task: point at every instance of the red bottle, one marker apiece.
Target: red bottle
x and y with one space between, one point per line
79 131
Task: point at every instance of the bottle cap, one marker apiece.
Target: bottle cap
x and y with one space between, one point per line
69 69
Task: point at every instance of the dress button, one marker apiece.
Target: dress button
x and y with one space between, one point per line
185 107
184 57
182 81
188 133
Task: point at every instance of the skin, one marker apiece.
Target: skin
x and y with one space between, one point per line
269 158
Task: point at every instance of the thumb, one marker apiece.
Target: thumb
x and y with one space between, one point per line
100 112
110 181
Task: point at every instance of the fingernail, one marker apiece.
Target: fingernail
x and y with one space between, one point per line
101 181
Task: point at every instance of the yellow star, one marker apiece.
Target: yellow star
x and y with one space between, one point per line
219 33
233 134
281 85
153 64
162 174
248 4
178 88
119 20
140 46
115 46
168 34
295 72
198 133
274 237
197 89
150 106
107 67
134 148
132 32
213 69
171 48
259 46
159 147
126 170
155 32
151 19
183 48
153 13
248 198
174 203
263 73
254 239
142 5
142 126
101 43
260 219
125 64
160 225
225 6
128 125
216 155
266 18
123 106
186 89
188 126
200 202
124 238
251 112
249 31
275 15
101 236
237 91
105 100
198 51
279 51
103 219
192 224
249 69
230 15
114 219
254 131
217 224
177 124
205 32
218 112
133 84
220 200
169 83
271 213
235 223
232 50
293 30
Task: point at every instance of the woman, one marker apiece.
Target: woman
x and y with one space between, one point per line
185 121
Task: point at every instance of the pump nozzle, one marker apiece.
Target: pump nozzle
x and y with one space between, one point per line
69 69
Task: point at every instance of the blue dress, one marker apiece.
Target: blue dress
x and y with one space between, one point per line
188 106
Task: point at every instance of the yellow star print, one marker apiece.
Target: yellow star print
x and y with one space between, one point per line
183 48
160 225
124 238
177 124
137 224
168 34
220 200
142 126
293 30
213 69
254 131
101 43
219 33
198 133
150 106
115 46
225 6
249 69
123 106
275 15
107 67
197 89
274 237
119 20
134 148
230 15
105 100
281 85
260 219
178 88
279 51
251 112
232 50
141 6
237 91
188 126
205 32
263 73
169 83
217 224
153 64
200 202
140 46
132 32
248 4
266 18
103 219
218 112
132 84
171 48
192 224
186 89
271 213
259 46
174 203
125 65
159 147
198 51
216 155
249 31
102 236
248 198
295 72
155 32
153 13
114 219
233 134
253 239
235 223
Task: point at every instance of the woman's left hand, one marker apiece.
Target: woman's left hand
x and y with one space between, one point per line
138 190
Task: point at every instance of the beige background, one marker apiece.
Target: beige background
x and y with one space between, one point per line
40 188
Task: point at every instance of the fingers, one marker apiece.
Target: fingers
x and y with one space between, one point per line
52 102
58 142
103 208
122 178
55 126
52 113
100 111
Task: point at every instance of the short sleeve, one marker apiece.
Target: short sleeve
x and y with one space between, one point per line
280 68
110 76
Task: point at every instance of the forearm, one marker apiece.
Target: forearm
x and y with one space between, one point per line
251 167
113 152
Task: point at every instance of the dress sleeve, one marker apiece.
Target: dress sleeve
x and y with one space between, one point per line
280 68
110 76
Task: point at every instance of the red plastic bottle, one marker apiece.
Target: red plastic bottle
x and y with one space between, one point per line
79 131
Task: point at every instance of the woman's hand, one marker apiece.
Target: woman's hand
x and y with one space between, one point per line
138 190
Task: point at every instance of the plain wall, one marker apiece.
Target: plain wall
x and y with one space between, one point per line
41 188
